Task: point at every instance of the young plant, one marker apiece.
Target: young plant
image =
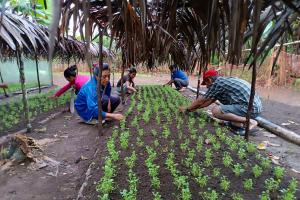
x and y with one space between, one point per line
278 172
251 148
227 160
124 139
210 195
154 133
225 183
130 161
196 170
238 169
199 145
265 163
241 154
237 196
289 193
257 171
271 185
217 146
157 196
265 195
184 146
156 143
139 142
202 180
216 172
248 184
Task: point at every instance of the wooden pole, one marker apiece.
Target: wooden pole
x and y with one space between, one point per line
99 86
256 18
37 73
5 93
24 92
122 74
198 84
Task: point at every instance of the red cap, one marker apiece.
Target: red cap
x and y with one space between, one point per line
209 73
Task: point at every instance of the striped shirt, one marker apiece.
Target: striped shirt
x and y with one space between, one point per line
232 90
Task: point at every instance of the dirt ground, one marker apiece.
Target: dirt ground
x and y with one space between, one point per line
69 146
72 147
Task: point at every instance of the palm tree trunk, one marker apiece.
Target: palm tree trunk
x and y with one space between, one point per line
99 82
24 91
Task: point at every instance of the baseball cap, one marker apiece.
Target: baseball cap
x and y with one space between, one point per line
209 73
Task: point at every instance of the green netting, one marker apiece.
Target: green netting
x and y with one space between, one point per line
10 72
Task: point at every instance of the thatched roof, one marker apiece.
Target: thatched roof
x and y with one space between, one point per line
31 39
188 31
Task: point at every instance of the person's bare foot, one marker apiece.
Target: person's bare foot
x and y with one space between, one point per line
253 124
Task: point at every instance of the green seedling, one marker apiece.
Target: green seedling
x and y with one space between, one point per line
238 169
227 160
278 172
248 184
237 196
257 171
225 183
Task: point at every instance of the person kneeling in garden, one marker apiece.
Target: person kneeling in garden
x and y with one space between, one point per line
178 77
75 80
86 103
128 84
234 94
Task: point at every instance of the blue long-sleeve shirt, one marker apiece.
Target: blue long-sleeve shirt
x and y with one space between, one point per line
86 102
179 74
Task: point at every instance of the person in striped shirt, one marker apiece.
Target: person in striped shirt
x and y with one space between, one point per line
233 94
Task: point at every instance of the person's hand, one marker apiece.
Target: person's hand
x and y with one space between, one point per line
52 97
182 109
118 117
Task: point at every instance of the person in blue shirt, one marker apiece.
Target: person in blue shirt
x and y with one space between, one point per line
86 103
178 77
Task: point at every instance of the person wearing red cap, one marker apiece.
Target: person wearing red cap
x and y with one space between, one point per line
178 77
233 94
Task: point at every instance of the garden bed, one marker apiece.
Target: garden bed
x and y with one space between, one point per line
159 153
12 116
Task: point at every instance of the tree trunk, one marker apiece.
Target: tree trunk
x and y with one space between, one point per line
24 91
37 73
99 82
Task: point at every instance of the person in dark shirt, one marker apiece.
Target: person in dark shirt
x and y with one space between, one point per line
178 77
233 94
128 83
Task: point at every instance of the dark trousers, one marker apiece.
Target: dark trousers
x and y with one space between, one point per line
114 102
179 83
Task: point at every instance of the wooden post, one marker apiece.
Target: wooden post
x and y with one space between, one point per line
257 10
24 91
198 84
5 93
37 72
99 86
122 89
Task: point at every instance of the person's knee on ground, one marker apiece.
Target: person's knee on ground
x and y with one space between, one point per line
115 102
177 84
219 114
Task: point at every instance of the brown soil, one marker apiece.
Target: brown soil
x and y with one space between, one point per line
74 140
167 189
